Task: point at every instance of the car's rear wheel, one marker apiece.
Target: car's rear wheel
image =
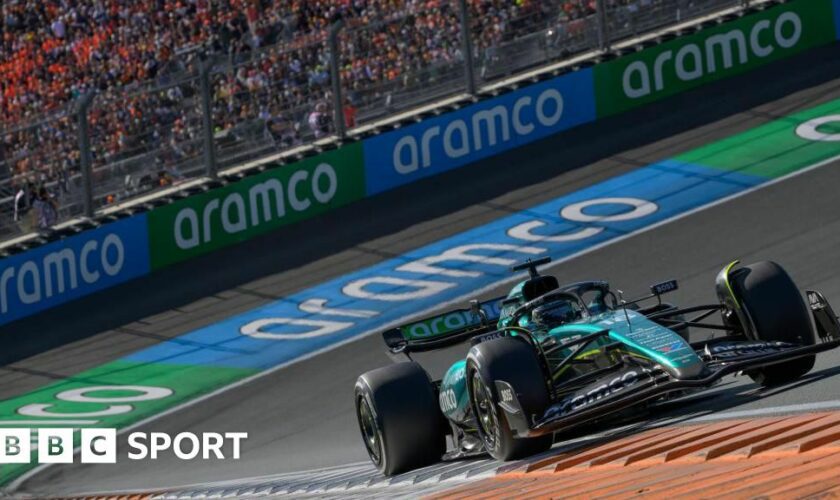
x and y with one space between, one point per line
774 306
513 361
399 418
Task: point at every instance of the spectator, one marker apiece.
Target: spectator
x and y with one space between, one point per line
349 114
165 178
319 121
46 209
283 132
23 201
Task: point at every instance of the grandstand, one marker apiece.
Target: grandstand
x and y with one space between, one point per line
269 78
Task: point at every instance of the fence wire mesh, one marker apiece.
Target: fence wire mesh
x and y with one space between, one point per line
529 36
210 109
39 174
628 19
389 64
271 100
144 139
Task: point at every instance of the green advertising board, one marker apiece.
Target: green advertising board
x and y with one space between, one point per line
256 205
712 54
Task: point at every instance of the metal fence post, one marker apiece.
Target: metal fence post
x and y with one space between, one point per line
82 109
467 48
207 119
603 27
335 78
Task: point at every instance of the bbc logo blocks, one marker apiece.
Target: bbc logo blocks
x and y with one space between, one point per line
99 446
16 446
55 446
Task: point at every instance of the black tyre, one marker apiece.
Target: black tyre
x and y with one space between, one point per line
515 362
399 418
777 312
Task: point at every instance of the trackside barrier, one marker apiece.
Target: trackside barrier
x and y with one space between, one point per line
72 268
95 260
712 54
491 127
478 131
253 206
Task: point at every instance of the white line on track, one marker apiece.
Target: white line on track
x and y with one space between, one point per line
774 410
17 482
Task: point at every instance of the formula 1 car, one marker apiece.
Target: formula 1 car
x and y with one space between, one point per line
547 358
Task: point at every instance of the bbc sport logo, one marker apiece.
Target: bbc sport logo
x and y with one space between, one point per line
99 446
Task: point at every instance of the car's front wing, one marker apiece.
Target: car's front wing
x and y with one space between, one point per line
635 384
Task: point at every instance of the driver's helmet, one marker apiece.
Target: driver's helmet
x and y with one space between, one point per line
596 307
557 312
595 302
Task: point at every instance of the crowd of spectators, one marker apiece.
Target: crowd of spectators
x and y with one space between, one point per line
272 65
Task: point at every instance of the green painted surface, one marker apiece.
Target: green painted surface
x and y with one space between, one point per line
712 54
167 385
256 205
774 149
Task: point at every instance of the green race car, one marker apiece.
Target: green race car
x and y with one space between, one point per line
547 358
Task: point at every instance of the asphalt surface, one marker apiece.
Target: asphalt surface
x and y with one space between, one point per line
301 417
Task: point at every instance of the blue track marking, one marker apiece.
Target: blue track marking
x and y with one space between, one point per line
285 332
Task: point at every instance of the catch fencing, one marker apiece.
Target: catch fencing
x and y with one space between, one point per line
208 111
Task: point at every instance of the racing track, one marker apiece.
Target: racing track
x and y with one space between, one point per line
301 417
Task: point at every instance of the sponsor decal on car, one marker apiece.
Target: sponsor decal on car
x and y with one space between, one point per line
489 336
582 399
449 322
506 394
448 402
674 346
738 349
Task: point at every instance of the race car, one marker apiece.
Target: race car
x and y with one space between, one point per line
547 358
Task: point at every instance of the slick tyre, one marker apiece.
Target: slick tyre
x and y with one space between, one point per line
775 307
513 361
399 418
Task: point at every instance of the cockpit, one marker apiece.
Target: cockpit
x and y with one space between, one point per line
558 311
596 295
541 299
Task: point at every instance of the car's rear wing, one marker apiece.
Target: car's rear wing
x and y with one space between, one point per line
444 330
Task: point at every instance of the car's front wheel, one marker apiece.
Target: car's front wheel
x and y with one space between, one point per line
399 418
774 306
514 362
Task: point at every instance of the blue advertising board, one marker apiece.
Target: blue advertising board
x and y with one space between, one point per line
478 131
71 268
837 17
